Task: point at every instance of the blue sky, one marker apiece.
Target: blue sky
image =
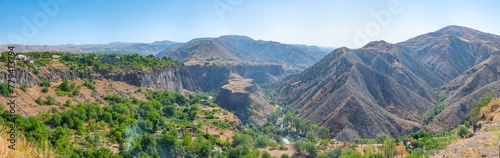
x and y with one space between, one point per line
331 23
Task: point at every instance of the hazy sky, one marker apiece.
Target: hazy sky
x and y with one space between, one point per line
331 23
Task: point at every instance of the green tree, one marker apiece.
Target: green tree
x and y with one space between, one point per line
4 89
335 153
261 141
463 131
39 100
266 154
45 90
239 151
242 139
381 138
311 136
311 149
24 87
285 156
477 105
50 100
68 103
389 148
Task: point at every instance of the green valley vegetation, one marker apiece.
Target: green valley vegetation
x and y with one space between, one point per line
477 105
438 108
96 61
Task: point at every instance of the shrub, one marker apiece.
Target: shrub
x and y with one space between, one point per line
462 131
44 83
45 90
50 100
68 103
89 84
4 89
75 91
39 101
59 92
24 87
477 105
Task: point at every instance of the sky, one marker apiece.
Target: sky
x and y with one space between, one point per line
327 23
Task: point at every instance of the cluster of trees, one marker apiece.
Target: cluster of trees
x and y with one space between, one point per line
49 100
126 61
90 61
68 88
269 93
438 108
89 84
304 127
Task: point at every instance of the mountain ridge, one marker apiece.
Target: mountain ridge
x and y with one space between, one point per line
387 82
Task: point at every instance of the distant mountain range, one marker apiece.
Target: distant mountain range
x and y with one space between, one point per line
388 88
115 47
241 48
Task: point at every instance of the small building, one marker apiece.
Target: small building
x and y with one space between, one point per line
29 61
24 59
56 57
20 57
286 141
107 59
204 101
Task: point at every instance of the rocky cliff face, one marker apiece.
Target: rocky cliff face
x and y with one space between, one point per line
210 76
173 79
244 98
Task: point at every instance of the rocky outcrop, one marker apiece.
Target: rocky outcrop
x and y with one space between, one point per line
173 79
210 76
244 98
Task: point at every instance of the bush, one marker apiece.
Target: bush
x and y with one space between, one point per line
39 101
4 89
44 83
463 131
265 154
68 103
477 105
261 142
24 87
50 100
90 84
45 90
75 91
59 92
381 138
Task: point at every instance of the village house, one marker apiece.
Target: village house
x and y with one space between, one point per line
106 59
56 57
24 59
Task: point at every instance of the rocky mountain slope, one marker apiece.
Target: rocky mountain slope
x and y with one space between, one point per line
388 88
241 48
116 47
452 50
245 99
484 141
471 85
